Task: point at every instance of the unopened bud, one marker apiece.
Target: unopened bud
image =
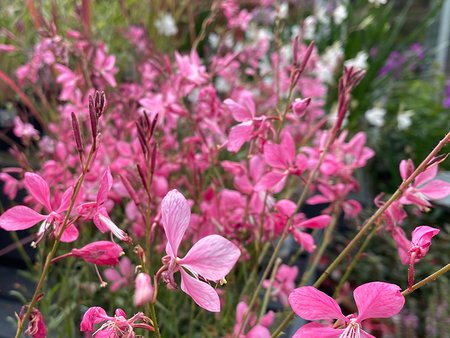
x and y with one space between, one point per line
299 106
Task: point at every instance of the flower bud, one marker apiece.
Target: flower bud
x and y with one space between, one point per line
143 290
299 106
99 253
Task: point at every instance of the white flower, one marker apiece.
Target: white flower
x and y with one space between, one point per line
358 62
213 39
165 25
309 27
284 9
404 119
328 62
375 116
378 2
339 14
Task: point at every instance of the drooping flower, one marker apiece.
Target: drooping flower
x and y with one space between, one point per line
36 326
98 253
21 217
211 258
113 327
373 300
413 251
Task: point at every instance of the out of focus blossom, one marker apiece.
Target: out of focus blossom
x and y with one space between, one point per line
165 25
375 116
404 120
358 62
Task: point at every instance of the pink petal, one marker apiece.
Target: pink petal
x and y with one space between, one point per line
105 187
239 112
39 189
422 235
317 199
65 200
175 215
317 222
312 304
98 222
436 189
286 207
212 257
426 176
246 100
258 331
202 293
92 316
19 218
378 300
288 146
275 156
239 134
305 240
317 330
70 234
273 181
406 169
112 275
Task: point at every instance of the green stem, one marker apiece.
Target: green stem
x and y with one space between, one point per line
55 246
318 255
427 280
397 194
354 261
154 320
269 288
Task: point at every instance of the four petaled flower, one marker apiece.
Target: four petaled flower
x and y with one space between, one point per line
211 258
373 300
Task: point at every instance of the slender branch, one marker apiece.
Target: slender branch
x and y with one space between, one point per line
427 280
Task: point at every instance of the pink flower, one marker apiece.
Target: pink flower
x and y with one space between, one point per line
243 111
69 81
24 130
190 68
120 278
36 326
104 65
21 217
11 185
424 188
97 210
299 106
98 253
143 291
412 252
114 327
373 300
284 283
281 157
258 329
211 258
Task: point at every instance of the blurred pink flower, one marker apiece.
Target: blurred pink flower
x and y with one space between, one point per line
120 278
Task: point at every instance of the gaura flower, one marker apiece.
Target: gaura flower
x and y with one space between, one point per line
98 253
113 327
211 258
373 300
21 217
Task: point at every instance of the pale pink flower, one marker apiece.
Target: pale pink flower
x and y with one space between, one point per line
21 217
281 157
120 278
11 185
113 327
143 291
211 258
373 300
190 68
424 188
24 130
258 329
104 65
284 283
69 81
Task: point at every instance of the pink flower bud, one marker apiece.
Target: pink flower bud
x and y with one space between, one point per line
144 290
99 253
299 106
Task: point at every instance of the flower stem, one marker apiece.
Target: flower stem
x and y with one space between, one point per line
269 288
154 320
427 280
52 253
